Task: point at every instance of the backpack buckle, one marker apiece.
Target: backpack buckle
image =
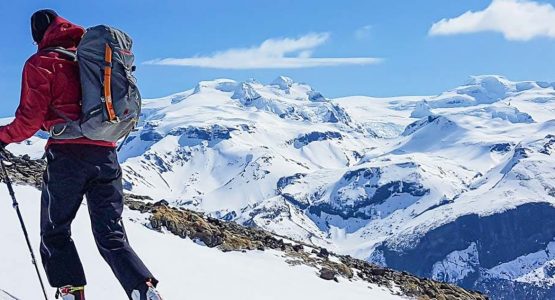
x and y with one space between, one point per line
60 132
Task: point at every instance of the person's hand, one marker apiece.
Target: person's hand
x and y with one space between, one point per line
2 144
3 150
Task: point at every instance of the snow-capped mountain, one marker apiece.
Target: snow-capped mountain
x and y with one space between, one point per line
458 187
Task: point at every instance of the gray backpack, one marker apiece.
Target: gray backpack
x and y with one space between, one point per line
111 102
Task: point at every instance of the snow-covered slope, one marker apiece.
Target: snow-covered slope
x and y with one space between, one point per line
6 296
186 270
372 177
458 186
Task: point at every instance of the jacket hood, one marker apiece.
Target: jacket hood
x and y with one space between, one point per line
62 33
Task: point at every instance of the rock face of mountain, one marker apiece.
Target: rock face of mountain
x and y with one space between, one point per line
458 187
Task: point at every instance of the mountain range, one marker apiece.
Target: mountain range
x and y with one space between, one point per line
457 187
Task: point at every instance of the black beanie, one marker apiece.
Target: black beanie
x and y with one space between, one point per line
40 21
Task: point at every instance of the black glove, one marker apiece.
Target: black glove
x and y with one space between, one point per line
3 151
2 144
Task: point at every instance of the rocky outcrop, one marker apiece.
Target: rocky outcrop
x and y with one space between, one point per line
210 133
229 236
23 169
314 136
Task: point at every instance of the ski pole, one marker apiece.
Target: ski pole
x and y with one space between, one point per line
15 205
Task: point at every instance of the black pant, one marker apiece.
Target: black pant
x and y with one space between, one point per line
74 171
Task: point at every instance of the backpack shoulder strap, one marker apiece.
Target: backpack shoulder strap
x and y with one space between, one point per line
71 55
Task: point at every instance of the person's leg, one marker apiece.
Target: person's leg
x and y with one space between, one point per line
62 194
105 201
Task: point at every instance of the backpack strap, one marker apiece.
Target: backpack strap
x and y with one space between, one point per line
73 57
70 129
70 55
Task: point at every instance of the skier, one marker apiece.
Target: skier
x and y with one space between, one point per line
75 168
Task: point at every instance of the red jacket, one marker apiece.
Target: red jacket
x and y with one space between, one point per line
49 80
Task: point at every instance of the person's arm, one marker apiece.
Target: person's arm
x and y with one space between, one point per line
33 106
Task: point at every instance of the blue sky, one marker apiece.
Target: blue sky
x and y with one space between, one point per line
415 56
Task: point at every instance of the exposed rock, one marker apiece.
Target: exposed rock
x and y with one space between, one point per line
323 253
327 273
315 136
298 248
501 148
23 169
229 236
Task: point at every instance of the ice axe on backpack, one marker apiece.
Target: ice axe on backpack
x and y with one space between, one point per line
15 205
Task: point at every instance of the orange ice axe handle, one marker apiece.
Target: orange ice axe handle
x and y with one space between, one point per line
108 84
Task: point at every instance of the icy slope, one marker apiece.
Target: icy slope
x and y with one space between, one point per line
186 270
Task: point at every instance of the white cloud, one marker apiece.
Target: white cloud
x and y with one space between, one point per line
517 20
284 53
363 32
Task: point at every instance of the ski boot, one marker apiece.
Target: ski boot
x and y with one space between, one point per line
146 291
69 292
